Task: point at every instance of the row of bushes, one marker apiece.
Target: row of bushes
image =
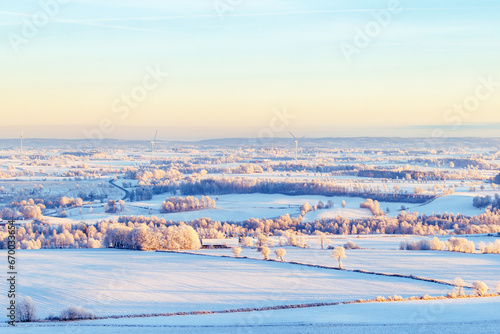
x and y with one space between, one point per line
453 244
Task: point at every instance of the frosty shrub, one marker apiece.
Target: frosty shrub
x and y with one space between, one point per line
480 288
76 313
26 310
350 245
236 251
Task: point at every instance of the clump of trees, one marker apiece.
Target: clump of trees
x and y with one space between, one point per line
461 245
113 207
373 206
189 203
151 238
489 248
424 244
485 201
224 185
453 244
75 313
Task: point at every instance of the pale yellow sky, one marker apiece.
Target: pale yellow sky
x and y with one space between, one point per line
231 73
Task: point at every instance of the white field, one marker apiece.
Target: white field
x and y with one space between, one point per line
445 316
120 282
479 315
428 264
240 207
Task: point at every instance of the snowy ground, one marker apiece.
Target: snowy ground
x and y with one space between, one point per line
240 207
457 203
441 316
428 264
118 282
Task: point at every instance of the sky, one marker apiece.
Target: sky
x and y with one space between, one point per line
202 69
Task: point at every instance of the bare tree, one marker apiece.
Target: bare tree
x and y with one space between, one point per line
459 285
322 238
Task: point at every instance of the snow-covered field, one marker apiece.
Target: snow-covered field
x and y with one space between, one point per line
240 207
119 282
440 316
427 264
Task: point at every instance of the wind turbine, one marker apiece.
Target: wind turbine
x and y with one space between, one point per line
153 147
22 135
296 144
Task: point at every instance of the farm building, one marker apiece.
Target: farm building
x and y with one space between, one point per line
219 243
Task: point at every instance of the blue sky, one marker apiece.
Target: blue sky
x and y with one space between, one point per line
227 74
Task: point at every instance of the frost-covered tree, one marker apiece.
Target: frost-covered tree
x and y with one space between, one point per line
32 212
305 208
480 288
322 238
339 254
262 239
26 310
280 253
247 242
265 252
236 251
121 205
459 286
343 204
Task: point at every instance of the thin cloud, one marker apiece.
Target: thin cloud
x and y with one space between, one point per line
202 16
